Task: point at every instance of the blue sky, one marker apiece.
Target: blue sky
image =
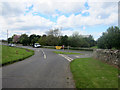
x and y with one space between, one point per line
38 17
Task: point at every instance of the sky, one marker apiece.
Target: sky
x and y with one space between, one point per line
38 16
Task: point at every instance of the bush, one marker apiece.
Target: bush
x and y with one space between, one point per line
110 39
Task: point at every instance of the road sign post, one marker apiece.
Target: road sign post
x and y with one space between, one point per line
63 47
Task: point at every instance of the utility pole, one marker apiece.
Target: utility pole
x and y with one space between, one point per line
7 36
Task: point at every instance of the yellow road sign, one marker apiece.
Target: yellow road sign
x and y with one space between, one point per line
58 47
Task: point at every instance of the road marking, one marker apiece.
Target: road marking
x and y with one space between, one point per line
77 56
66 57
44 54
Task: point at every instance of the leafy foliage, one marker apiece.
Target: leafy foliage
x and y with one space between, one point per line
24 39
33 38
64 40
110 39
54 38
43 40
54 32
77 40
10 40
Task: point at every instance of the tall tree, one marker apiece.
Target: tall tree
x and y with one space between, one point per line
10 40
52 41
64 40
54 32
24 39
75 40
43 40
110 39
34 38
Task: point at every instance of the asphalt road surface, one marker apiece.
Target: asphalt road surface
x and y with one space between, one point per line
45 69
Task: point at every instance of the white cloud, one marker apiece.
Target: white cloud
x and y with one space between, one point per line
25 24
12 9
37 32
67 32
12 16
51 8
59 0
100 13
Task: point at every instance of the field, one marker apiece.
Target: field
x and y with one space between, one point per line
91 73
13 54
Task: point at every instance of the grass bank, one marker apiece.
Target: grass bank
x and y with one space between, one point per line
91 73
14 54
59 52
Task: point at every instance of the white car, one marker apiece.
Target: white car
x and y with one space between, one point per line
36 45
12 45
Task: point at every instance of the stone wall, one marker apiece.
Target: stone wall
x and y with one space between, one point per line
108 56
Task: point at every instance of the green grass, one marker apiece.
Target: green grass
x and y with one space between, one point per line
94 47
13 54
59 52
91 73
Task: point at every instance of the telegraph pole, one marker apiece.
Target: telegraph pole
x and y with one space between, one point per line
7 36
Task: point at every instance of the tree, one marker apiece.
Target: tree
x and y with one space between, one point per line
24 39
52 41
10 40
53 37
110 39
34 38
43 40
64 40
89 41
75 40
54 32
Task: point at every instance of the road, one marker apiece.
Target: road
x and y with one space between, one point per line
45 69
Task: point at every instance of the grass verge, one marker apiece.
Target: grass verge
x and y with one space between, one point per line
59 52
91 73
14 54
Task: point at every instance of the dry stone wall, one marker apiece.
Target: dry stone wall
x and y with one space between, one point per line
108 55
